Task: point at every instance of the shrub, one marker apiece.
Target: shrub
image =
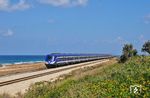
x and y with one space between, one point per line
127 52
146 47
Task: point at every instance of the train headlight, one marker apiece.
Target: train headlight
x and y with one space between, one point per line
46 62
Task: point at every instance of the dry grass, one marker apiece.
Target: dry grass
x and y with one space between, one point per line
80 73
21 68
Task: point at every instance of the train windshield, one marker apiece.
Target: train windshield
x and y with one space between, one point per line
49 57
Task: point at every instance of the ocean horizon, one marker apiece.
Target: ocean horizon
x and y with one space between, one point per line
20 59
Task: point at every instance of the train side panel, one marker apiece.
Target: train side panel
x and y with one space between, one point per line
55 60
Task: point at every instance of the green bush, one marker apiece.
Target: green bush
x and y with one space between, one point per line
127 52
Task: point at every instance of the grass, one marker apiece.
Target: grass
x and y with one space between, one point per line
109 81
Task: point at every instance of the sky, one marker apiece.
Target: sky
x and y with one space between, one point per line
39 27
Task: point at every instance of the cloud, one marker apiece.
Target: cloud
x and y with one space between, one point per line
142 38
51 21
116 40
5 5
7 33
64 3
147 19
9 5
121 40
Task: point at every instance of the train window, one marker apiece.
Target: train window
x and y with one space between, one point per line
49 57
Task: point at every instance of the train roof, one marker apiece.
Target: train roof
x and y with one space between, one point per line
73 54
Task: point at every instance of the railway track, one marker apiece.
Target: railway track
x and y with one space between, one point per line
41 74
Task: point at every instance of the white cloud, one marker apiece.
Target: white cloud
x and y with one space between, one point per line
51 21
121 40
7 33
64 3
5 5
147 19
142 38
116 40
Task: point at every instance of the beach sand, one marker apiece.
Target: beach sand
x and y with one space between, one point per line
21 68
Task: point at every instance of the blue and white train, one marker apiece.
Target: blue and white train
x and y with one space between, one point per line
58 59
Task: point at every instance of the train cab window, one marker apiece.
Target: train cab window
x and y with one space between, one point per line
49 57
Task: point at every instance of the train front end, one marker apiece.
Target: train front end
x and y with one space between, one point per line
50 61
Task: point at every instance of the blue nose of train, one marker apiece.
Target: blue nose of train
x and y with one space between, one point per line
49 59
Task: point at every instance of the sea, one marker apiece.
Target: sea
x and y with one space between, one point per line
6 60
